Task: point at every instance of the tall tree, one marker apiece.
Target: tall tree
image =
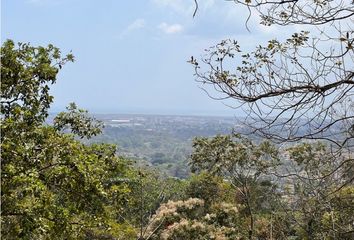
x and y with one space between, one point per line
246 166
52 185
317 200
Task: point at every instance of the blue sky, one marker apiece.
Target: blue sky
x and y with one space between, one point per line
131 55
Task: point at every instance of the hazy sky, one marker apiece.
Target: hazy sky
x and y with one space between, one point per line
131 54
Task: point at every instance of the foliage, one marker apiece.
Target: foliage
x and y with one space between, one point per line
26 74
230 153
53 186
78 121
162 141
209 188
293 194
295 88
148 190
318 198
245 165
188 220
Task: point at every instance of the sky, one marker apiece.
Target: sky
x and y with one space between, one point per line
131 56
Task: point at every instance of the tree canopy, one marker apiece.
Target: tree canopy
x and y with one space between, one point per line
295 90
53 186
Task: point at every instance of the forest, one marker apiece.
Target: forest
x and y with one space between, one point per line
288 174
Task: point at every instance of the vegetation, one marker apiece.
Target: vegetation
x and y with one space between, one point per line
52 185
295 88
57 183
164 142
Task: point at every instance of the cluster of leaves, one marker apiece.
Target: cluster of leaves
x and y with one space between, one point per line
189 220
53 186
78 121
292 88
301 191
26 75
318 197
245 190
